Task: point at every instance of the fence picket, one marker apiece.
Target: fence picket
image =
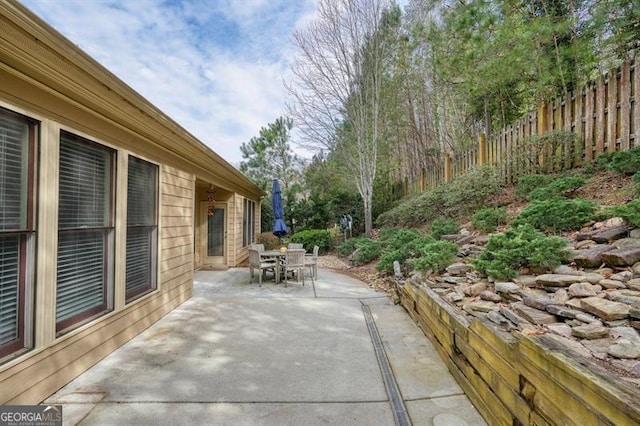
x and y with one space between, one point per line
578 124
604 115
601 124
589 122
612 113
625 106
509 153
635 125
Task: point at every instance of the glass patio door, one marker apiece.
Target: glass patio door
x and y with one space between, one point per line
214 235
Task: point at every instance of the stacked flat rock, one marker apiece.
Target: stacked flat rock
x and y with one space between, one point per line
592 304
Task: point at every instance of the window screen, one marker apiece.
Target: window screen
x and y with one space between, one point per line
17 140
85 250
248 222
142 196
10 293
14 143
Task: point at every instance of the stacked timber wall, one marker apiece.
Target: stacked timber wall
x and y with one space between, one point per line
515 379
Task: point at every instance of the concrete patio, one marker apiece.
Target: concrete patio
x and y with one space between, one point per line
240 354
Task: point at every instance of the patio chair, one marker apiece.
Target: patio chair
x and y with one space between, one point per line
311 262
259 247
262 266
294 262
294 246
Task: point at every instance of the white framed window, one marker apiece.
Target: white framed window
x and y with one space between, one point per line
142 228
18 136
85 231
248 222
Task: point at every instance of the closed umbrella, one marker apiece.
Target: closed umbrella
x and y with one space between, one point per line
279 227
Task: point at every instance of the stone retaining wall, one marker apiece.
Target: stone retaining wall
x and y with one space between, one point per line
518 379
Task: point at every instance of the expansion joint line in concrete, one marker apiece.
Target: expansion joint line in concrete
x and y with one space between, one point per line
232 402
400 414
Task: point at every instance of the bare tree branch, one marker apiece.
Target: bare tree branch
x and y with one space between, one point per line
337 87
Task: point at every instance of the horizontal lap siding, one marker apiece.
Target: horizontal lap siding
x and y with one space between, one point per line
41 372
176 233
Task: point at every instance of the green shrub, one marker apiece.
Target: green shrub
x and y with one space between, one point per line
389 256
557 214
630 212
398 237
555 149
488 219
367 251
519 247
397 245
636 182
313 237
269 240
460 197
402 247
622 162
466 193
443 226
434 256
557 187
413 211
603 160
349 246
529 183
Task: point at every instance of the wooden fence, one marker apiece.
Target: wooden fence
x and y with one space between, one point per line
601 117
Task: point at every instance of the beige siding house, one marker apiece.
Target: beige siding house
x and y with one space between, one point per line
106 208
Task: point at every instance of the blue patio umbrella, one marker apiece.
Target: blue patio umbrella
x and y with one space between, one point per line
279 227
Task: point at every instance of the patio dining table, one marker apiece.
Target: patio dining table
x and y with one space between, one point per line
274 255
279 256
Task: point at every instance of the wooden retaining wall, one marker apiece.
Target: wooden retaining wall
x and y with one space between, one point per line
516 379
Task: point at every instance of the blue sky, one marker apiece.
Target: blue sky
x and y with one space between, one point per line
214 66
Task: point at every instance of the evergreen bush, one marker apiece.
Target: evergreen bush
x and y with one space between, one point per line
557 214
434 256
557 187
443 226
556 148
488 219
529 183
399 244
463 195
466 193
630 212
348 247
522 246
313 237
622 162
398 237
367 250
414 211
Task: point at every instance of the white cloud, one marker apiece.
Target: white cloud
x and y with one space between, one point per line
215 67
